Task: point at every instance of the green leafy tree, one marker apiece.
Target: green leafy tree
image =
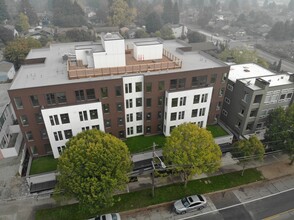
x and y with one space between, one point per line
79 35
191 150
195 37
17 50
280 130
6 34
242 56
3 11
22 24
27 9
166 33
153 22
121 14
141 33
248 150
92 168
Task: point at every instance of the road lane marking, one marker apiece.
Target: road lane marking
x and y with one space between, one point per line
241 203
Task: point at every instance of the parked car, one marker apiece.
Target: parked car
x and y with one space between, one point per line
111 216
190 203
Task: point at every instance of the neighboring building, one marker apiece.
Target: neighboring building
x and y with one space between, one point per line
10 136
7 71
179 30
126 88
252 92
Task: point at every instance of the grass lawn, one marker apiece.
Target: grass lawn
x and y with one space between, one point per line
216 130
144 143
43 165
143 198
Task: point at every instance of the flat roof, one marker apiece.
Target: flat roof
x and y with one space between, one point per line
147 43
112 36
274 80
54 70
249 70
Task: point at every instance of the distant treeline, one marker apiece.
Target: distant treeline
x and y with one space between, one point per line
282 31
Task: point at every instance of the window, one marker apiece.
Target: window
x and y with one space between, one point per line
54 120
130 130
199 81
18 103
257 98
107 123
105 108
148 129
139 129
200 124
182 101
34 100
238 125
128 88
138 86
67 133
83 115
196 99
194 113
174 102
230 87
129 103
224 77
219 105
85 128
202 112
80 96
96 127
93 114
129 117
160 85
159 115
61 98
64 118
24 120
204 97
148 102
253 113
221 92
227 100
149 87
283 96
104 92
181 115
160 100
159 127
242 111
44 134
90 94
225 113
173 116
139 116
148 116
121 134
39 118
173 83
50 98
245 98
171 128
182 83
249 126
120 121
118 90
34 150
138 102
289 95
29 136
213 78
119 107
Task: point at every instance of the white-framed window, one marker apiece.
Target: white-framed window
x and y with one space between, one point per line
183 101
129 103
230 87
130 117
227 100
181 115
128 87
204 97
225 113
200 124
202 112
130 130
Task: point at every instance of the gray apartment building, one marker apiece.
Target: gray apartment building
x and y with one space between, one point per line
251 93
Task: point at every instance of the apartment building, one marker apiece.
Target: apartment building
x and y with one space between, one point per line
123 87
251 93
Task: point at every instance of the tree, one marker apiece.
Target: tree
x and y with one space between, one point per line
141 33
191 150
153 22
204 16
166 33
6 34
3 11
242 56
195 37
17 50
280 130
92 168
279 66
79 35
167 15
28 10
22 24
176 14
121 14
248 150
